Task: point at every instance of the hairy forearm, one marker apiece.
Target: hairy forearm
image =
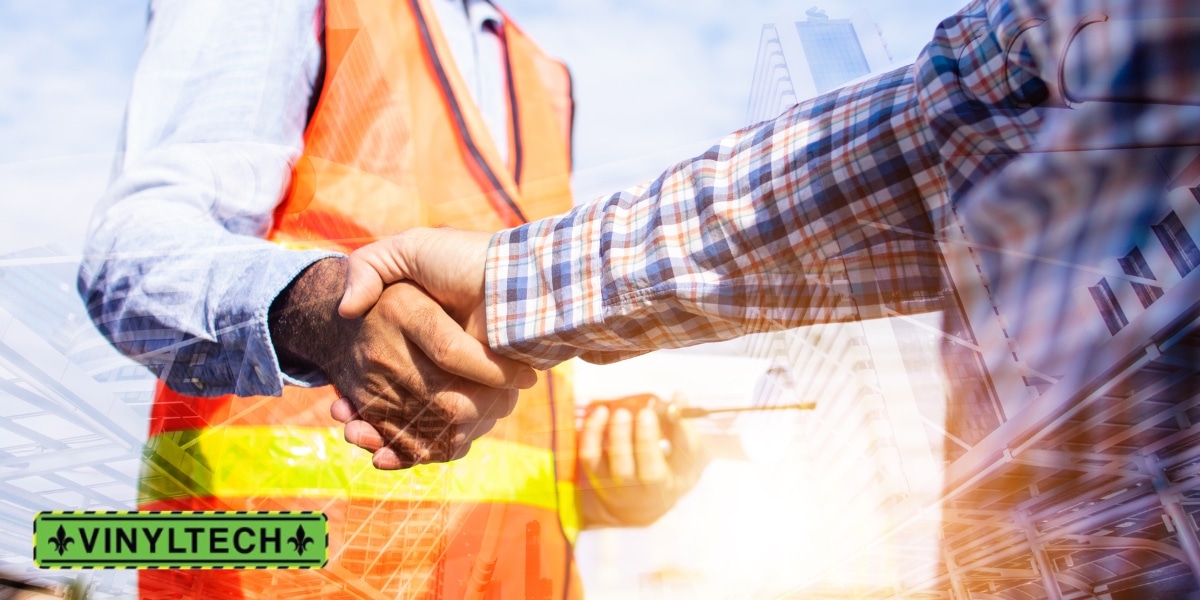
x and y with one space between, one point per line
305 328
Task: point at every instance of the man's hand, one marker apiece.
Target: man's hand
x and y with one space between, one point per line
447 263
630 476
416 388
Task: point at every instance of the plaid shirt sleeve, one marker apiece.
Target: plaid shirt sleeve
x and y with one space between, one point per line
763 231
829 212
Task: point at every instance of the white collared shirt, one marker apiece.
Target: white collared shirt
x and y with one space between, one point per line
478 49
176 272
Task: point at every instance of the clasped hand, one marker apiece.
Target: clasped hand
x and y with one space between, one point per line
421 384
636 460
628 475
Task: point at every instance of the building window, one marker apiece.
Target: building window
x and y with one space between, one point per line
1135 264
833 52
1106 301
1179 245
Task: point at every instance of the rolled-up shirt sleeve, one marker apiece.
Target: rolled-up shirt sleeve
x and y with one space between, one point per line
176 273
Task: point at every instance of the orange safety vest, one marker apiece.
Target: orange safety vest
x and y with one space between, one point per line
395 142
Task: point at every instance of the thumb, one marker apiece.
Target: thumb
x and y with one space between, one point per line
369 269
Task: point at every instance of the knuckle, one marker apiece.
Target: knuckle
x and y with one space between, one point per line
415 390
444 348
421 319
396 302
374 393
454 408
428 382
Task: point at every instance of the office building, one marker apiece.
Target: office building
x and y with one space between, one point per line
1052 486
73 417
801 59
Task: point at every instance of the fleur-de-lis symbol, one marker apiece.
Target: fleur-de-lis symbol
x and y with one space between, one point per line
300 540
61 540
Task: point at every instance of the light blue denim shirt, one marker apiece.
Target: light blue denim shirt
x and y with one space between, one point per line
176 273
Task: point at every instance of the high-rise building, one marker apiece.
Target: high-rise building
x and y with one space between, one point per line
832 50
73 414
1049 486
875 442
802 59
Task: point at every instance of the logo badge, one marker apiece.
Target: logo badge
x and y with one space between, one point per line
180 540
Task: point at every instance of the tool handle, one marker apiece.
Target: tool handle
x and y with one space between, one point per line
693 412
669 411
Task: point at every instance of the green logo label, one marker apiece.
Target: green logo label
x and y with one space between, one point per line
180 540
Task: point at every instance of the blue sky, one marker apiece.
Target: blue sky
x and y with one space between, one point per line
660 80
66 67
656 81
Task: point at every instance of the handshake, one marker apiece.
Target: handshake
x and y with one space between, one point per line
417 381
429 284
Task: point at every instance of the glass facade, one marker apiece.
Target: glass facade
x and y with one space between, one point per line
834 53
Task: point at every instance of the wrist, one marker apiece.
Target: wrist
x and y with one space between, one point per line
306 331
593 511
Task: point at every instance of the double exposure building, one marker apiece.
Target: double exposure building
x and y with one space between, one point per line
73 414
948 461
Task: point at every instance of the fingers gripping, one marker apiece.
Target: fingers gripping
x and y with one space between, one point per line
652 467
454 350
370 268
418 388
591 442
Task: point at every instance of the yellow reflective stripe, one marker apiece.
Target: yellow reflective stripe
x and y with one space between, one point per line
568 510
311 462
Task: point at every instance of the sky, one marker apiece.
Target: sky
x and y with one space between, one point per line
656 81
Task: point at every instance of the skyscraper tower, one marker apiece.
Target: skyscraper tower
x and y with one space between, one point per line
802 59
1057 482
